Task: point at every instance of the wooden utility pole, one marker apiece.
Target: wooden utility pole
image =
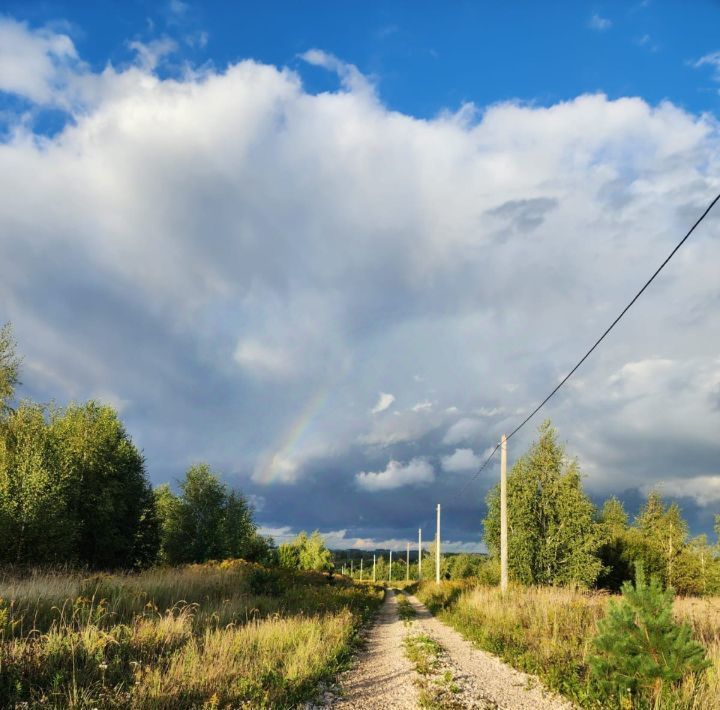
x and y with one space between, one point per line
407 564
419 554
373 568
352 567
437 548
390 568
503 516
361 561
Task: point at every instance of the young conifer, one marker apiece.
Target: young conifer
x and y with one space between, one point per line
641 652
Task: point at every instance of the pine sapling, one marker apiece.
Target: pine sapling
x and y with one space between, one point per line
640 651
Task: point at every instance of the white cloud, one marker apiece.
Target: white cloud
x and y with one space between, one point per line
424 406
460 460
704 489
464 430
178 7
408 425
599 23
416 472
277 468
263 359
712 60
35 64
384 401
243 260
150 54
349 75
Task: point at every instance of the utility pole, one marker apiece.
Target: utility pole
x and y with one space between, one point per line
437 548
419 554
373 567
390 568
361 561
352 567
407 564
503 516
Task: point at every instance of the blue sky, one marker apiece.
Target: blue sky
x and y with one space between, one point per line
337 249
427 56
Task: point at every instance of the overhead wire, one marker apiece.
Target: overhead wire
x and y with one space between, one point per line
595 344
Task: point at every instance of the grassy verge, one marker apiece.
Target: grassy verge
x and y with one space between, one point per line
405 609
216 635
548 632
437 687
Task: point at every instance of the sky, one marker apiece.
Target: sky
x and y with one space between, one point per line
337 249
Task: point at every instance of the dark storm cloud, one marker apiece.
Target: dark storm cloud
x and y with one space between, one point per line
524 215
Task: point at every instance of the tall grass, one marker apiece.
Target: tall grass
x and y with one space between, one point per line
215 635
548 631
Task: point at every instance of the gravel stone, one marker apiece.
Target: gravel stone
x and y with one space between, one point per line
485 681
382 678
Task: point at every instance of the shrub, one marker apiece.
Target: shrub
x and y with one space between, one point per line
641 651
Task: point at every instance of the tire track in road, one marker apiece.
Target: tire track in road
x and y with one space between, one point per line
485 680
382 678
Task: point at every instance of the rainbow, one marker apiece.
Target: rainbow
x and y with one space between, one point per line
271 468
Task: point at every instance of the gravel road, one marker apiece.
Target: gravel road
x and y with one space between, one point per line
485 680
382 677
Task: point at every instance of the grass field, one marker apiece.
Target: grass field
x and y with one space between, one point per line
548 632
214 636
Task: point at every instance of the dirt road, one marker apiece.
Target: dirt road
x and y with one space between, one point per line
383 678
484 680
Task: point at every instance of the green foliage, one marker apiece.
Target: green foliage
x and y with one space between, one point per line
73 488
9 366
207 521
306 553
657 541
641 652
616 566
553 537
103 475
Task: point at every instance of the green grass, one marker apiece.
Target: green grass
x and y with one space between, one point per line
405 609
437 688
215 635
548 632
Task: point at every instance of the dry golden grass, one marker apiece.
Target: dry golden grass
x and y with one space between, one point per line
216 635
548 632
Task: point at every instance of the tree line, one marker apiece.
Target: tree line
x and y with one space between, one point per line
556 536
74 489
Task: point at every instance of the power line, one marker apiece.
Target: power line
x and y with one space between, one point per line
479 471
597 342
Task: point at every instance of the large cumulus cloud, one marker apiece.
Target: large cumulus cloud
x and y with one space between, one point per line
242 266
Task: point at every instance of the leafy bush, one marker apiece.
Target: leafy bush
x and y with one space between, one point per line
306 553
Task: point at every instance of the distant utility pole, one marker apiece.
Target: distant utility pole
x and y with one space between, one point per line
352 567
437 548
407 564
361 561
503 516
419 554
390 568
373 568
